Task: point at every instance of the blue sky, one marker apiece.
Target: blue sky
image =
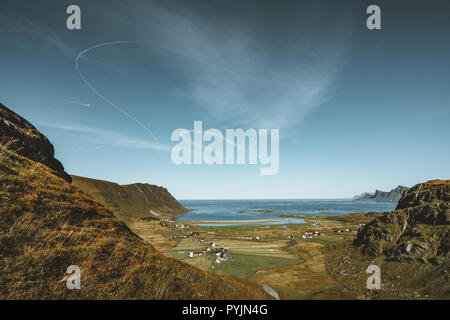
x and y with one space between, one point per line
357 110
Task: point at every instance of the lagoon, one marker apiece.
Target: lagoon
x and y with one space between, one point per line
267 212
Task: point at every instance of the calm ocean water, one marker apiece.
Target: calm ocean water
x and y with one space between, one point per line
228 210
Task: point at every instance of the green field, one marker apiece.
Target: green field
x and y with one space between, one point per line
245 265
307 268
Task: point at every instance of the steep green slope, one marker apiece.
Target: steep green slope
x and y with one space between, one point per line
131 202
47 224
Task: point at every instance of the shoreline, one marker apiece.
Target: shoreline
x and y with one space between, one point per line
229 221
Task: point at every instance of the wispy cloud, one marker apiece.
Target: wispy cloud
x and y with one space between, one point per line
110 138
240 71
93 148
29 25
238 74
81 103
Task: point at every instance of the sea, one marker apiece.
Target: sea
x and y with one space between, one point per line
223 212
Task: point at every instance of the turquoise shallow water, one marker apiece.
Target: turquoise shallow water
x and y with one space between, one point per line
228 210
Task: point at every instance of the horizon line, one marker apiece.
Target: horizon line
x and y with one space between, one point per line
179 199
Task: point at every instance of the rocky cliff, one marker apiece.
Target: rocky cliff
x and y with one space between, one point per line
382 196
418 230
132 202
22 137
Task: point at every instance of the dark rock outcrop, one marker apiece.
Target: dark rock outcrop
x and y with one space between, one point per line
382 196
431 191
418 230
22 137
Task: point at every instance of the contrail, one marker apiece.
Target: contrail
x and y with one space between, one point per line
77 67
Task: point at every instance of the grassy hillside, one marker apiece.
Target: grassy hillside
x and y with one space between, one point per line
410 245
414 280
131 202
47 224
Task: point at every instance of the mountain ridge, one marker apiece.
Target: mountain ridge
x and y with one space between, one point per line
131 202
382 196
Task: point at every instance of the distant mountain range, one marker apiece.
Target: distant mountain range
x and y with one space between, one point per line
382 196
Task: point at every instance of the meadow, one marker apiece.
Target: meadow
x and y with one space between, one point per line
315 260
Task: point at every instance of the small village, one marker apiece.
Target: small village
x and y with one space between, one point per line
212 249
218 253
222 257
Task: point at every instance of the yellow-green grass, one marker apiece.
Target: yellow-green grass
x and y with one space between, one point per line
242 265
347 265
47 224
306 280
247 256
245 265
